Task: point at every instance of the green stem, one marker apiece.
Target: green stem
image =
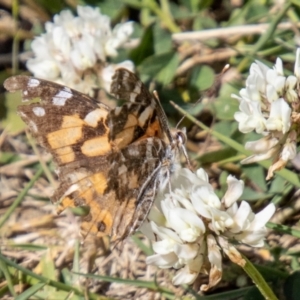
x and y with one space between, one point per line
284 229
15 45
163 14
258 280
166 14
165 18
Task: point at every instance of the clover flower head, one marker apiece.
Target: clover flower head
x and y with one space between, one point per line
269 105
193 226
75 50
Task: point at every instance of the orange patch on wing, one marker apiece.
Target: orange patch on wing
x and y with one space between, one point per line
70 133
96 146
72 121
99 222
91 187
131 121
66 202
99 182
133 181
65 154
124 138
153 129
88 195
64 137
131 204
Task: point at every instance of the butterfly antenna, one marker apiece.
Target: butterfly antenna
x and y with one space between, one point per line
180 121
163 117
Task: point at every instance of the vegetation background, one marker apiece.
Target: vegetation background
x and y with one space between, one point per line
35 259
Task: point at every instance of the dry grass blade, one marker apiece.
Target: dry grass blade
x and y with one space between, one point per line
225 33
20 197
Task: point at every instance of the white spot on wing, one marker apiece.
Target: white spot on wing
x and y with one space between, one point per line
149 148
133 151
39 111
137 88
33 83
145 116
117 110
67 89
93 117
132 97
61 97
22 114
122 170
71 189
25 93
76 176
33 126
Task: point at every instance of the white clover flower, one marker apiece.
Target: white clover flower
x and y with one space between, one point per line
269 105
75 50
193 225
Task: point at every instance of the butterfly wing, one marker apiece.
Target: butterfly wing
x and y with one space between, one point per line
107 159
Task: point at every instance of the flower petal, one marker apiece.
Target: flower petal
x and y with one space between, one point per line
234 191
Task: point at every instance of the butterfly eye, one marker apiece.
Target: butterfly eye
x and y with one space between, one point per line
179 141
180 137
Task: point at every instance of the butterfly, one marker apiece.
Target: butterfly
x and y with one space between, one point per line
111 160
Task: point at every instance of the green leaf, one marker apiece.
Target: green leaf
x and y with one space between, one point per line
180 12
8 278
55 6
202 77
162 40
256 174
112 8
253 294
162 67
48 270
30 247
8 157
166 75
291 286
280 194
226 128
215 156
30 291
251 195
225 108
12 122
277 185
144 49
